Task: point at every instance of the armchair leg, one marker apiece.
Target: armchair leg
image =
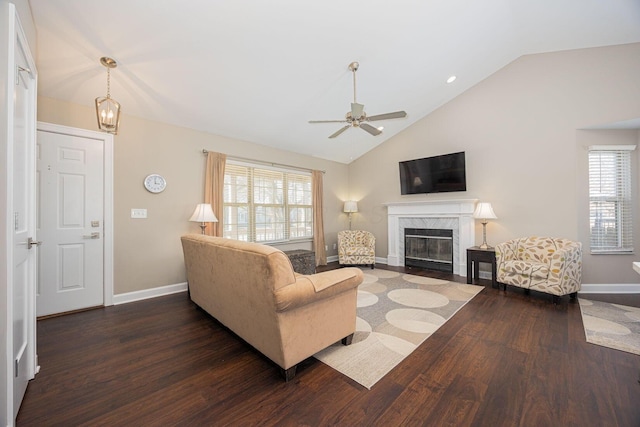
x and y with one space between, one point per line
556 299
347 340
288 374
573 295
373 266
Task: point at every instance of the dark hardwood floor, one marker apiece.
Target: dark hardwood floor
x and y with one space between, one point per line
505 359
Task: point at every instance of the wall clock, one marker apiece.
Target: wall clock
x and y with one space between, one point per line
155 183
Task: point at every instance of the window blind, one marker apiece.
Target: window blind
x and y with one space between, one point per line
266 205
610 199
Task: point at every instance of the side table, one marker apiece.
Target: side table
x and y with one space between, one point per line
475 256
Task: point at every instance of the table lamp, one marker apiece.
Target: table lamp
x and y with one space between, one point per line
350 206
484 212
203 214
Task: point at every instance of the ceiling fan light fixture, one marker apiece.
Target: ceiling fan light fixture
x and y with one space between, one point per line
107 108
357 117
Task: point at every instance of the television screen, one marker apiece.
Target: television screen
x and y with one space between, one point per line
438 174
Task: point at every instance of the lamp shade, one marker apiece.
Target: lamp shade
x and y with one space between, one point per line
484 211
203 213
350 206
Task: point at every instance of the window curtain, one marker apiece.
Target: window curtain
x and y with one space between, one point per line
318 223
214 190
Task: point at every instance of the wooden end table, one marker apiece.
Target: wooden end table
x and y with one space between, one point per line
475 256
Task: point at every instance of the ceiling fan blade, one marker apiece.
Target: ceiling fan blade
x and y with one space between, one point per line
367 127
340 131
394 115
328 121
356 110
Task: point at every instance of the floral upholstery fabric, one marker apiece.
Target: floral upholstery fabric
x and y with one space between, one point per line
543 264
356 247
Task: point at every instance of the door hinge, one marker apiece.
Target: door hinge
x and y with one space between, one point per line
16 368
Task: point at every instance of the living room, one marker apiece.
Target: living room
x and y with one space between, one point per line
525 129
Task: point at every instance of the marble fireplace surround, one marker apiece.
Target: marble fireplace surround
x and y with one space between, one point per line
454 214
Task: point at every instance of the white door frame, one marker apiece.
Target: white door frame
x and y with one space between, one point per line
107 140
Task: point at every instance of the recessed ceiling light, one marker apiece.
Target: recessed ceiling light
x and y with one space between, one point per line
380 128
451 79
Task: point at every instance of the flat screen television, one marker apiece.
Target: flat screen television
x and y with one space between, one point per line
438 174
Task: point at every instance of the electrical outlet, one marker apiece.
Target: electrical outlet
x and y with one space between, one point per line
335 246
138 213
326 247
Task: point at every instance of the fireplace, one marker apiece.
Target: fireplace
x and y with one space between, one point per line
450 214
429 248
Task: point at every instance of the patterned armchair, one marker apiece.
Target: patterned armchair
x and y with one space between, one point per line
356 247
543 264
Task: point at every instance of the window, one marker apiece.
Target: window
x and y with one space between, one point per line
610 201
262 204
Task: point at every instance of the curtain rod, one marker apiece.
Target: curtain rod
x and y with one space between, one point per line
205 152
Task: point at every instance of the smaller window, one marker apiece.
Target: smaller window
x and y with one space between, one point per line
610 199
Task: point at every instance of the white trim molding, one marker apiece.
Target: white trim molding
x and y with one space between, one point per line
149 293
603 288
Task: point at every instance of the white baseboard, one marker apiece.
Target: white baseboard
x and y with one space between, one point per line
149 293
621 288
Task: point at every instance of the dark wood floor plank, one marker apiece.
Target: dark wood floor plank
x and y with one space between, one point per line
505 359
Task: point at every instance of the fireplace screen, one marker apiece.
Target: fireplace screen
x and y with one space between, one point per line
429 248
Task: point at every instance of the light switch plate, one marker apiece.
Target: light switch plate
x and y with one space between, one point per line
138 213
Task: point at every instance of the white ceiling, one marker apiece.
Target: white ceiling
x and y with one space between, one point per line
259 70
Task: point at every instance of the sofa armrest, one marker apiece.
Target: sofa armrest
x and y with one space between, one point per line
566 265
314 287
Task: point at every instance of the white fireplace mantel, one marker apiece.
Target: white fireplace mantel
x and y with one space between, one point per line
453 214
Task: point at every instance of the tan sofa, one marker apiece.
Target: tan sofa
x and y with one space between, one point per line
253 290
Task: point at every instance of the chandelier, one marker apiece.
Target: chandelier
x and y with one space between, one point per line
108 109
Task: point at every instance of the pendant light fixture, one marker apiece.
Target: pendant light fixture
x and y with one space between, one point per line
108 109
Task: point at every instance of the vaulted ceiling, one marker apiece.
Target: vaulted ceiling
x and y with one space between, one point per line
259 70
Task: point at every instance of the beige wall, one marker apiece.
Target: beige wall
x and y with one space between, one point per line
519 129
147 251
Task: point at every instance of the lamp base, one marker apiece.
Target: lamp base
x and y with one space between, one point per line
484 244
203 226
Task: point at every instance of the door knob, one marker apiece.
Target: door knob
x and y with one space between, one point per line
94 235
31 242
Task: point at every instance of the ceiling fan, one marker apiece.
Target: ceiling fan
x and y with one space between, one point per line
357 117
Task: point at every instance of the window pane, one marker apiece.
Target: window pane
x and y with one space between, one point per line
236 223
269 223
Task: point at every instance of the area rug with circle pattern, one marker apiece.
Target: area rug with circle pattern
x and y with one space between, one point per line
396 313
611 325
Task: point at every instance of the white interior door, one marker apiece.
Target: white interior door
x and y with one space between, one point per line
24 208
70 222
